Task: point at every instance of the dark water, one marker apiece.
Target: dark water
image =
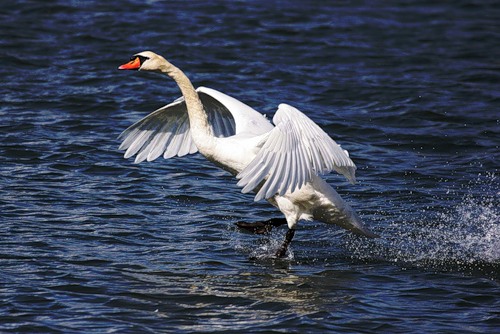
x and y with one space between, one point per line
91 243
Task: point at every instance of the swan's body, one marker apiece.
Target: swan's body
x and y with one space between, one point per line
281 163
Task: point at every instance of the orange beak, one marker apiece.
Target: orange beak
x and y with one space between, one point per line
134 64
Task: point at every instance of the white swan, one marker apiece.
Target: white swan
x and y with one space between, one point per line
280 163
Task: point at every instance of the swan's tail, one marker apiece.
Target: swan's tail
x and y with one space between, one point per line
353 223
334 210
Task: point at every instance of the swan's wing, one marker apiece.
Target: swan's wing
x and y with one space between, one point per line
220 117
166 131
291 153
246 119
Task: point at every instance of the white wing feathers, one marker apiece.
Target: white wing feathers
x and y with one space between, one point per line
166 131
291 153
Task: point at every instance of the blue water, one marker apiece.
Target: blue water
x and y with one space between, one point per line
92 243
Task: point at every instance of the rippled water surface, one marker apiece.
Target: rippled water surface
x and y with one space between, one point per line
92 243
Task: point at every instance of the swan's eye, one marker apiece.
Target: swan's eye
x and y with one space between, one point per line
142 59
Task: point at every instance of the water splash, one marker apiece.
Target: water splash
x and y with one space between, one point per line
267 248
261 247
462 236
475 227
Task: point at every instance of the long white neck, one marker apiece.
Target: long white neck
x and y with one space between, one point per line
201 131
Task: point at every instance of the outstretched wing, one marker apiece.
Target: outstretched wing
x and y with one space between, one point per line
291 153
166 131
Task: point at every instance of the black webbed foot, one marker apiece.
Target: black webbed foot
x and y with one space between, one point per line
262 227
256 228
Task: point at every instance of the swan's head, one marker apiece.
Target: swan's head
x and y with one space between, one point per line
145 61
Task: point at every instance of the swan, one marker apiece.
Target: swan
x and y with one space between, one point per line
280 163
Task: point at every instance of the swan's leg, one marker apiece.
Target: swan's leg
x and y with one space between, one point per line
288 239
262 227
